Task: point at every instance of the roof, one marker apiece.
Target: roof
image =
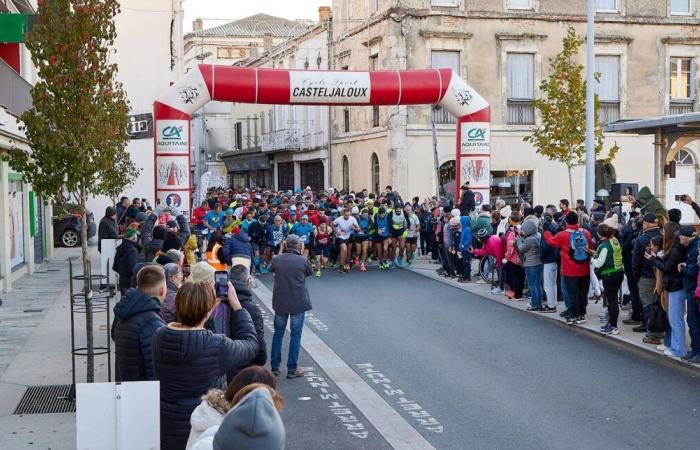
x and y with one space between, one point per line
677 123
257 25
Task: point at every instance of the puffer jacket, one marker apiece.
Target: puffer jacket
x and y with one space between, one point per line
189 362
529 246
465 239
492 247
511 254
237 245
136 318
168 306
673 279
548 254
209 413
483 220
125 259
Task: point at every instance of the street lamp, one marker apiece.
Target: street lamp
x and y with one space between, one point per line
590 104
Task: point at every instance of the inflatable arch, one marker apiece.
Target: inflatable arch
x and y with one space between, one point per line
172 112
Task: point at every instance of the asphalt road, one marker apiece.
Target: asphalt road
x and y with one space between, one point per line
469 373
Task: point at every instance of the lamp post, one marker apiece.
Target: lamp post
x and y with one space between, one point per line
436 162
590 104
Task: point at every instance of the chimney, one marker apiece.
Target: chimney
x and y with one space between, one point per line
267 41
254 49
324 13
197 24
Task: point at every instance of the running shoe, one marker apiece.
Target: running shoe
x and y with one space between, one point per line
662 347
609 329
570 320
397 262
363 268
580 320
670 353
548 309
356 262
318 273
497 291
346 268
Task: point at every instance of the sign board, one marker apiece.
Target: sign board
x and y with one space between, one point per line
475 138
109 248
329 87
118 416
173 136
140 126
173 172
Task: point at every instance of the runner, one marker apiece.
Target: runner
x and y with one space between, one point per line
343 228
305 231
412 233
381 238
323 246
399 224
362 238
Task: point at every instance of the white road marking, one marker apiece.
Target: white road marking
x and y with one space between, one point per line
388 422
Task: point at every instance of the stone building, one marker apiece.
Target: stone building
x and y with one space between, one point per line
646 53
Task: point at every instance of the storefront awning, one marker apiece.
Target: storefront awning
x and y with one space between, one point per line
677 123
244 163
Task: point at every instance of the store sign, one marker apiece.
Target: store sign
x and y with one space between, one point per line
140 126
475 138
329 87
175 198
173 136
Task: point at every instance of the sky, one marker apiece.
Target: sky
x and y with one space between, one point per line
229 10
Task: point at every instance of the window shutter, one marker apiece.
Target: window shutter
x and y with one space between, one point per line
608 86
693 80
440 59
520 74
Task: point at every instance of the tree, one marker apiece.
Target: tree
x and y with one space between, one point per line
77 126
562 135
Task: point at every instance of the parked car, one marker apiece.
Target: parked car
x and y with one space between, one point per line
66 227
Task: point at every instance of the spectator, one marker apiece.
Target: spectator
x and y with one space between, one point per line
644 271
184 350
550 263
467 202
241 280
173 280
608 259
125 259
690 274
529 249
290 301
121 209
108 227
137 316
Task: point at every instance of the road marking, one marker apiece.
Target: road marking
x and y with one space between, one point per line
388 422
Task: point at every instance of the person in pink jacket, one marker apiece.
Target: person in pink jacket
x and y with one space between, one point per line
515 274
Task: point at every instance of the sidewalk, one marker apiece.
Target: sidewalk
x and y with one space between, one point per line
35 344
627 338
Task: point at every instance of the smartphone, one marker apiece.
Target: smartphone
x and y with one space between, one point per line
680 198
221 283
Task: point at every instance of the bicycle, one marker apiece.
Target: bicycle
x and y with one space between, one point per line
488 270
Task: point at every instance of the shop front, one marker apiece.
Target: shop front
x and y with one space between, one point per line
248 169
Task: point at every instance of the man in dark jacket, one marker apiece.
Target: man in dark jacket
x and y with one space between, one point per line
290 300
108 227
238 246
136 318
467 200
690 275
240 279
125 258
628 236
644 270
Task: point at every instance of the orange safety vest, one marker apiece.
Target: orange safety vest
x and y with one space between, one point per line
212 259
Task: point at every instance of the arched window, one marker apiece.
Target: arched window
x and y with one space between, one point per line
346 174
684 158
604 175
375 173
447 180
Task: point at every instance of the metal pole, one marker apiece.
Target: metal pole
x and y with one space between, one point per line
329 31
590 105
436 162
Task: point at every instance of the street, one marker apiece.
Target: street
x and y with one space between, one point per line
485 375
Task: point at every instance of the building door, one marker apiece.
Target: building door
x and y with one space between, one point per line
684 183
312 175
285 176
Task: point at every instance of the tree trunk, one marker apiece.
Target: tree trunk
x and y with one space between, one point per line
87 289
571 186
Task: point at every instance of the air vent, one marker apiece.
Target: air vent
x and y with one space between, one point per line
51 399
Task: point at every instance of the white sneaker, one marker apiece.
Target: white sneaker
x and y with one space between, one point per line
668 353
661 347
497 291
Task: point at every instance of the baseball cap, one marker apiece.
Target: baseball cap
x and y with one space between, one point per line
650 218
687 231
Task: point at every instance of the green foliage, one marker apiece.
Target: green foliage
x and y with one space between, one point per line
562 135
77 126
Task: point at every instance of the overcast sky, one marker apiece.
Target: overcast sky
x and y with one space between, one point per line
232 10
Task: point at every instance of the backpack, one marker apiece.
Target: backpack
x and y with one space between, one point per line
578 247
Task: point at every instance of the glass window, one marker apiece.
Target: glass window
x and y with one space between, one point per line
520 4
346 174
447 180
520 89
682 78
513 186
680 6
606 5
375 173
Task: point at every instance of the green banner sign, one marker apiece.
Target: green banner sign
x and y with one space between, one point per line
13 27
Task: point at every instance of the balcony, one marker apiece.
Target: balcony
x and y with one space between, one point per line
287 139
681 106
313 141
15 91
520 112
608 112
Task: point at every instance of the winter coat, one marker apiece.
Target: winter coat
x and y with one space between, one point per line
511 251
152 248
492 247
467 202
290 295
465 240
136 318
190 247
168 306
245 296
561 240
649 203
125 259
673 279
237 246
529 246
548 254
426 222
690 271
107 230
207 414
483 220
189 362
641 266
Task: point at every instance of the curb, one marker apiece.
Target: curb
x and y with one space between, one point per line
618 341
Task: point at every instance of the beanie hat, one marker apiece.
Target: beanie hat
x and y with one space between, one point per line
130 232
202 271
164 259
674 215
650 218
571 218
171 240
141 217
612 221
253 423
455 212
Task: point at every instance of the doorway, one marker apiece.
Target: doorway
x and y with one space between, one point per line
683 183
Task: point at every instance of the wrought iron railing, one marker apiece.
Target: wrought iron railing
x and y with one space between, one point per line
286 139
441 115
683 107
520 112
608 112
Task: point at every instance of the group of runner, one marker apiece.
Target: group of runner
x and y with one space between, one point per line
344 230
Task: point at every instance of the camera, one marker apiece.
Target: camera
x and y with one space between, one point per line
681 198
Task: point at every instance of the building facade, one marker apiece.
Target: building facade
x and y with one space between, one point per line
283 146
646 53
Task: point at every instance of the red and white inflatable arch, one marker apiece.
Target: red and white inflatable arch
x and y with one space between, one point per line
173 109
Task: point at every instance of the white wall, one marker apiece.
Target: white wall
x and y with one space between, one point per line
144 60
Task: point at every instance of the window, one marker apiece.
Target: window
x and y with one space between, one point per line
519 4
513 186
606 5
373 6
447 3
239 135
683 158
608 88
682 89
680 7
520 89
375 173
444 59
271 120
375 116
346 174
604 176
346 120
446 174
